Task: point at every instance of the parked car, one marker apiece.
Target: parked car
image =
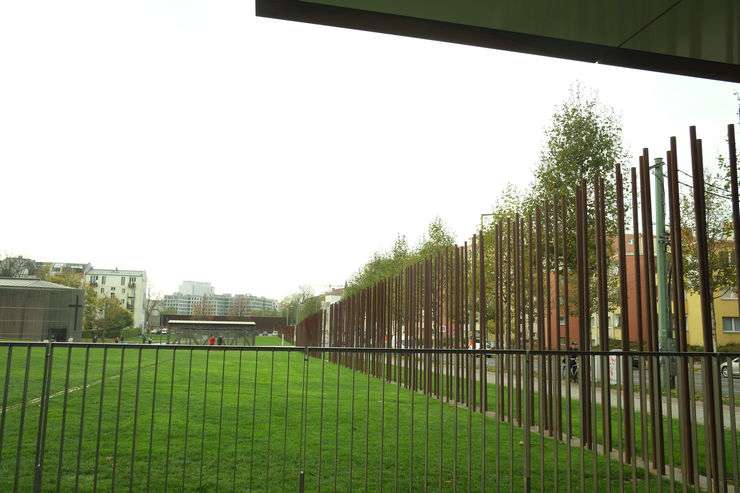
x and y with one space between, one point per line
735 367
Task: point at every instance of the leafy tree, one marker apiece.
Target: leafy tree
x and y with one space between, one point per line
90 311
310 306
111 315
42 272
268 313
438 236
67 278
240 307
722 264
389 264
583 141
291 305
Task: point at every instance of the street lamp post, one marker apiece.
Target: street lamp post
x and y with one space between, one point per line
481 219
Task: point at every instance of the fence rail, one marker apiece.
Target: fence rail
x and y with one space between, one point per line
83 417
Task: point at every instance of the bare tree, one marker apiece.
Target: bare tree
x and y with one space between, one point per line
204 309
154 303
240 307
17 266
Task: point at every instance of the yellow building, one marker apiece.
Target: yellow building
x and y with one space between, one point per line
726 316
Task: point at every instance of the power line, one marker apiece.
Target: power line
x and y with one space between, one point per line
708 184
728 197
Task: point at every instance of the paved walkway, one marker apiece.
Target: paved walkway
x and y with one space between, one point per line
575 395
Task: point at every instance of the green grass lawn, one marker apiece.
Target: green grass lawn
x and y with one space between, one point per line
207 420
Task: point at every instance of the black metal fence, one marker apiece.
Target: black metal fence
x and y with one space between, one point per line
78 417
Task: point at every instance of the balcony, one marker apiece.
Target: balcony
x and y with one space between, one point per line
132 284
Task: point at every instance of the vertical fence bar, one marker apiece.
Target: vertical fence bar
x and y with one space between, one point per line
43 412
64 415
187 419
236 424
269 419
21 420
285 419
151 422
100 421
5 400
136 413
221 417
118 419
254 418
304 419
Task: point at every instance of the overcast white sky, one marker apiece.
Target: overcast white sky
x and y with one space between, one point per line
195 141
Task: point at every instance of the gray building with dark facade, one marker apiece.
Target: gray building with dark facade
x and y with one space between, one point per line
36 310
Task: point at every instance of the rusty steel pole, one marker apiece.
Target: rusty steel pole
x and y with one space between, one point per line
706 297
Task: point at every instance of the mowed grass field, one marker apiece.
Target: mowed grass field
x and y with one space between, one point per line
208 419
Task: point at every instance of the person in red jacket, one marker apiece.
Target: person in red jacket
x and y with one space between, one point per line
212 341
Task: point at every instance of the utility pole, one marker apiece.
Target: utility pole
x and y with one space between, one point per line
664 343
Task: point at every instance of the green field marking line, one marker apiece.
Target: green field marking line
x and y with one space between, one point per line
70 390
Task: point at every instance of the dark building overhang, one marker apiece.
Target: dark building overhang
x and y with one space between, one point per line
686 37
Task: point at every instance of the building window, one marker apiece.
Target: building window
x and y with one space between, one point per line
102 281
102 290
731 324
112 289
617 320
562 320
630 241
123 281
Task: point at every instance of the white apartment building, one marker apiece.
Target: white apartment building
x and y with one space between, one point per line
196 288
184 303
129 286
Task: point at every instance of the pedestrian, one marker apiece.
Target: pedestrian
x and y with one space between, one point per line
150 339
573 368
212 341
143 339
118 339
95 338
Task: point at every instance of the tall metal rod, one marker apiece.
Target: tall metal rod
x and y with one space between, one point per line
558 335
547 373
624 317
679 311
639 305
651 314
705 296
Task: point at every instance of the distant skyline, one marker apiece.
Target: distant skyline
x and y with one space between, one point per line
196 141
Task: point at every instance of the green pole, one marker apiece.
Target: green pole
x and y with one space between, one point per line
662 281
